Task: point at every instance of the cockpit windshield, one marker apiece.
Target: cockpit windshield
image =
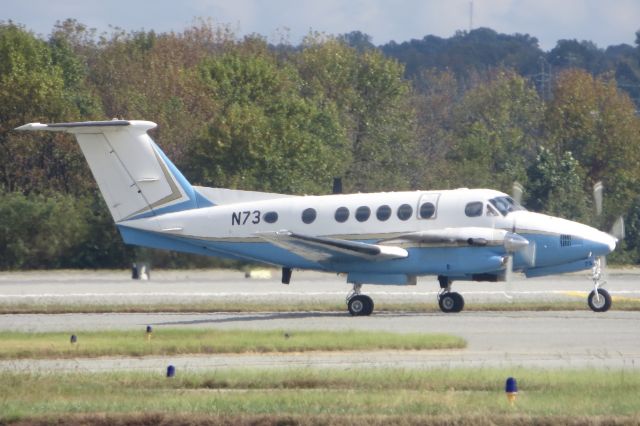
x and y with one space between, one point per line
506 205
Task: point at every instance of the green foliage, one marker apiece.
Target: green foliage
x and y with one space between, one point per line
265 134
243 114
555 186
57 231
374 108
497 129
597 123
35 231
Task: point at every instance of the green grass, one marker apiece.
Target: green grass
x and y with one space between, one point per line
358 396
16 345
579 304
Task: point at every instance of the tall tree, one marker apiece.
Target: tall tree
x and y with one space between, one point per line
597 123
497 130
374 105
264 134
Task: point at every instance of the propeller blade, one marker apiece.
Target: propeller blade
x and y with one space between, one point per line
529 254
508 278
617 230
597 196
517 192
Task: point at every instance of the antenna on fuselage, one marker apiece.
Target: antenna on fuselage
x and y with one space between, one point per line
337 185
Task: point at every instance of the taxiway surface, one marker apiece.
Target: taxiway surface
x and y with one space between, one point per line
495 339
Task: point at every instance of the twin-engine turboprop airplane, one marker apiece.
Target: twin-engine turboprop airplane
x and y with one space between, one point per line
387 238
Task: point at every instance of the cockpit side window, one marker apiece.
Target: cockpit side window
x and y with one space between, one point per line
474 209
491 211
506 205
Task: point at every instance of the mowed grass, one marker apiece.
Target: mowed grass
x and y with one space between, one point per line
15 345
580 304
324 396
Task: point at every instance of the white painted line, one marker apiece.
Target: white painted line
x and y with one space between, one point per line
288 293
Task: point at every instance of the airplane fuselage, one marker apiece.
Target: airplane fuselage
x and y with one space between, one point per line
233 230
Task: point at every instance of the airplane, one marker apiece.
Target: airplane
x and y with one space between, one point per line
384 238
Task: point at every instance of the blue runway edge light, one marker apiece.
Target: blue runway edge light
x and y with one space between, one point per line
511 388
171 371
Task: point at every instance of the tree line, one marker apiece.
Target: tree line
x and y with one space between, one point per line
242 113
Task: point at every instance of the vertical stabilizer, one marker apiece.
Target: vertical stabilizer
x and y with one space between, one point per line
135 177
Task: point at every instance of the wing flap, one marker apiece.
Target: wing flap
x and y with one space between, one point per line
323 249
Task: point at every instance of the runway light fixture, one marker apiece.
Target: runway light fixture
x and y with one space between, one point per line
73 339
171 371
511 389
149 333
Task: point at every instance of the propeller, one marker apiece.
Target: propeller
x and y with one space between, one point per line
516 192
515 243
616 231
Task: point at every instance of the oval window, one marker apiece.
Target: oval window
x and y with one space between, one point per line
342 214
308 215
270 217
383 213
427 210
363 213
473 209
404 212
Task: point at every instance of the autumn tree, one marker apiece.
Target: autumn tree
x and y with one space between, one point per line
596 122
374 106
497 131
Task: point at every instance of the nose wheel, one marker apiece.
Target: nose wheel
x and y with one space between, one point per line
599 299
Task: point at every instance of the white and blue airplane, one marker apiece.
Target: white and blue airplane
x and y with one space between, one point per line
387 238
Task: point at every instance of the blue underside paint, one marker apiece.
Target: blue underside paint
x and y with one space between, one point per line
455 262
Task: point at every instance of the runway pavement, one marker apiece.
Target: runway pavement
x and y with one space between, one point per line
495 339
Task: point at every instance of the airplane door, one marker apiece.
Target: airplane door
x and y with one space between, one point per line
428 205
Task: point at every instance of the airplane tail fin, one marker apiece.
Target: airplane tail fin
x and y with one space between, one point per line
135 178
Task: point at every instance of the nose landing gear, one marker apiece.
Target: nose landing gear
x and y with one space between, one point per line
599 299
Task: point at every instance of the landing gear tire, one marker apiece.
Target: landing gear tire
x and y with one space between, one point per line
451 302
360 305
601 302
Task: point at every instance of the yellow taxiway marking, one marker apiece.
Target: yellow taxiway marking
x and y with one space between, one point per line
575 293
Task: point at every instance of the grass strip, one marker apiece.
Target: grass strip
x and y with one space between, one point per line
16 345
313 396
223 306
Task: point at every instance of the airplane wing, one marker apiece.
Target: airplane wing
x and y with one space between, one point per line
322 249
465 236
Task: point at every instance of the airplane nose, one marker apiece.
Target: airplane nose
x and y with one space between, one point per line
604 244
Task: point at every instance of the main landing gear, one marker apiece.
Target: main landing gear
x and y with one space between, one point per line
599 299
449 301
359 304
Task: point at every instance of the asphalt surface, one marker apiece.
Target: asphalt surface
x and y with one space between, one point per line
495 339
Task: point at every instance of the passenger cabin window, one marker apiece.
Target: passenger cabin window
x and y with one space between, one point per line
506 205
427 210
363 213
308 215
383 213
404 212
473 209
342 214
271 217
